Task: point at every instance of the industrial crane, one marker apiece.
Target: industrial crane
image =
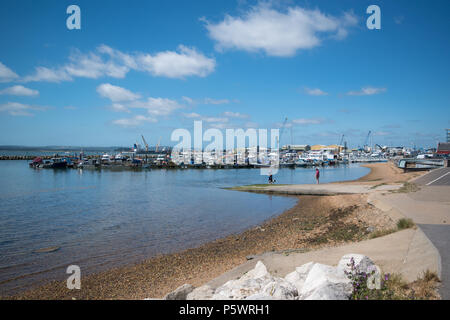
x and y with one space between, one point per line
366 146
157 145
281 132
341 141
344 142
145 143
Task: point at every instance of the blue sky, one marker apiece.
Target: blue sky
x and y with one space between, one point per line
149 67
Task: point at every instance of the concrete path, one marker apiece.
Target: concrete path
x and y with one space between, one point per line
408 252
430 209
317 189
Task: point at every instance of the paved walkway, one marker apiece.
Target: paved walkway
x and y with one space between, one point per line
430 209
408 252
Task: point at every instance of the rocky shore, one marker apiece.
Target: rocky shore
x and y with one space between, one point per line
310 281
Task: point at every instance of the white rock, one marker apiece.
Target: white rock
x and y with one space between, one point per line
259 271
325 283
259 296
241 288
330 291
179 293
311 281
362 262
280 289
249 284
298 277
201 293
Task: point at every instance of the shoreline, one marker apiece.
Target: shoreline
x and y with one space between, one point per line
306 226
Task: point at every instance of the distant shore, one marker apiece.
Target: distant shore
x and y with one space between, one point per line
314 222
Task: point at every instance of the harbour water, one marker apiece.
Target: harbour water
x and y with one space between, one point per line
103 219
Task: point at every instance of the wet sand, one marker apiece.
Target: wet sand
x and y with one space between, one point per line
314 222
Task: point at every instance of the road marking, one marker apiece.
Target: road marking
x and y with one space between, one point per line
437 179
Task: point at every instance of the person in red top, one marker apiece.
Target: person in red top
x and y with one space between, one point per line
317 175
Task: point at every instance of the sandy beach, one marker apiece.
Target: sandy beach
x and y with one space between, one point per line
314 222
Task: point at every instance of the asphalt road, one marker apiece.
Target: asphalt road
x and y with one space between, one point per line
440 236
436 177
437 181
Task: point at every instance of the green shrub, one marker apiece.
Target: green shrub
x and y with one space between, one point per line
405 224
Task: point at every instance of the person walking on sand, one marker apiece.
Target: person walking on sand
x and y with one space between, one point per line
317 175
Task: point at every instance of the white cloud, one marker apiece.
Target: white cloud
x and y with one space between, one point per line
134 121
283 125
48 75
207 101
108 62
122 58
382 133
192 115
157 106
208 119
304 121
116 93
367 91
215 101
315 92
19 91
93 66
184 63
19 109
117 107
215 119
188 100
220 125
235 115
6 74
278 33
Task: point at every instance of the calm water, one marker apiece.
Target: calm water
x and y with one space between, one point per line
102 219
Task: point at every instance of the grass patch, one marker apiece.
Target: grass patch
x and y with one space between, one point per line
394 287
405 224
381 233
378 185
406 188
336 230
424 288
401 225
